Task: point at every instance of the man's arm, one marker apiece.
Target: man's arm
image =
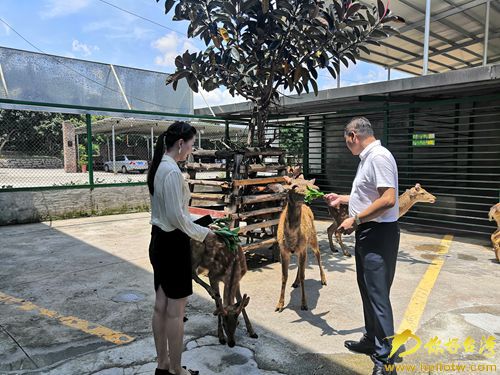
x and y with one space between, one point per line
335 200
385 201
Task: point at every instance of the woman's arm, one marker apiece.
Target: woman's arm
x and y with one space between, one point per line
174 198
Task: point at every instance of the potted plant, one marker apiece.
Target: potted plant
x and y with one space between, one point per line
83 163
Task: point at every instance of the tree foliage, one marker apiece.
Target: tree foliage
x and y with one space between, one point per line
257 48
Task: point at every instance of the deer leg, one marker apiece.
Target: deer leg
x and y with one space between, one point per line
248 324
315 249
331 230
218 309
302 269
285 261
296 283
214 294
338 236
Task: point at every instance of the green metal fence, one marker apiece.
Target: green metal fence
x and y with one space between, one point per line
451 147
44 149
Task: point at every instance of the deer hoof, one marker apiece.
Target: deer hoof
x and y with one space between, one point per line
334 250
254 336
222 340
347 254
295 285
279 307
323 282
304 307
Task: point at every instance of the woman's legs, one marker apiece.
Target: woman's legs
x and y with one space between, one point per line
175 333
160 329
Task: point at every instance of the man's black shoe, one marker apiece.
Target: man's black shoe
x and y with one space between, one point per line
363 346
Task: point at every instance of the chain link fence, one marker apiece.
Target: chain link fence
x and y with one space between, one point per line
51 150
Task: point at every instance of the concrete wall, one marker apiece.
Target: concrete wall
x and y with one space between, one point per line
31 163
30 207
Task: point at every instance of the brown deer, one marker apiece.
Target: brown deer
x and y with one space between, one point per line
494 214
296 233
406 201
229 267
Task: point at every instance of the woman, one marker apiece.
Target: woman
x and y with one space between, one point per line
169 250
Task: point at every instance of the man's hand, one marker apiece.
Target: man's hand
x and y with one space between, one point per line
348 226
334 200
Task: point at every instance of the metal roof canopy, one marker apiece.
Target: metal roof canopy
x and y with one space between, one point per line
37 77
453 84
146 127
461 34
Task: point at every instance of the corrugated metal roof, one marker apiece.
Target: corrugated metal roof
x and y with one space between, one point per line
457 30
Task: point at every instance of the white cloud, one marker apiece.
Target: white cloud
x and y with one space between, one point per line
61 8
113 29
170 46
85 49
4 30
215 97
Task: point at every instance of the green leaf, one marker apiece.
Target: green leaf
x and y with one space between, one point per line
381 9
192 82
186 59
168 5
355 7
235 54
312 194
314 86
332 71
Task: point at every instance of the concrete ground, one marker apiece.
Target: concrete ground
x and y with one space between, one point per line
76 296
49 177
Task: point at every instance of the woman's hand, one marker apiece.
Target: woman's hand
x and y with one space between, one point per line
210 238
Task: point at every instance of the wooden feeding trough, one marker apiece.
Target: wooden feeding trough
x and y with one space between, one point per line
243 185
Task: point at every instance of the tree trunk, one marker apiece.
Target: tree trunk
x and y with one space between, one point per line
259 121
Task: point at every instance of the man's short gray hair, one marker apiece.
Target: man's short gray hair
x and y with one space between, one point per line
360 125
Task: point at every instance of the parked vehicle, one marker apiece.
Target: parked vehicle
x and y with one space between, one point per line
126 164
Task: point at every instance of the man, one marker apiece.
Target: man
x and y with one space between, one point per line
373 211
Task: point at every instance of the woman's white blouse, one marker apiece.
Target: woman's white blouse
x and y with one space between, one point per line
169 204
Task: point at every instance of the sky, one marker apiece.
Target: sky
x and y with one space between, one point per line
96 31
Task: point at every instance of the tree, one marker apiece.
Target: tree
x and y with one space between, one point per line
255 48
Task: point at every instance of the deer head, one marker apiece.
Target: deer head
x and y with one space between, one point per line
229 315
419 194
294 172
297 187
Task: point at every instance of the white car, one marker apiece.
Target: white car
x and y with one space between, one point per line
127 163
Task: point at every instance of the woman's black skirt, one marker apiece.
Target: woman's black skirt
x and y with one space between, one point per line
170 256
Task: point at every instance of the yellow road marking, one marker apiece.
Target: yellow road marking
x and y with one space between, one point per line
418 301
70 321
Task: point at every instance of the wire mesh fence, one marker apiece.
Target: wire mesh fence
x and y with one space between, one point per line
51 150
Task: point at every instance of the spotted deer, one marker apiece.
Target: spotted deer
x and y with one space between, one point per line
494 214
228 267
296 232
406 201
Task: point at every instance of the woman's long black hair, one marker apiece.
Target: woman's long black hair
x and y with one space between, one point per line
178 130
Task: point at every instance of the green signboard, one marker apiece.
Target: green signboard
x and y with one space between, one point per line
421 140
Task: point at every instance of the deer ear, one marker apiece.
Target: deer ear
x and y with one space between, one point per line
246 300
312 181
300 176
417 186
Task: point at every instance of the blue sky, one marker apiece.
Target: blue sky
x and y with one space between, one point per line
93 30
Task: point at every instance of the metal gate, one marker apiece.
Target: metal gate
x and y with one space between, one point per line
451 147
